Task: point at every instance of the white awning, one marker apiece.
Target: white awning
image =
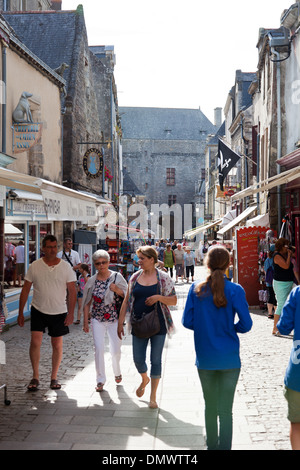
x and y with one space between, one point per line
237 220
10 229
27 195
277 180
19 181
201 228
259 221
228 217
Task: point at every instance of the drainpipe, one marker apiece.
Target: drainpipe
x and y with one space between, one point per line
103 172
244 150
257 168
112 137
278 78
4 98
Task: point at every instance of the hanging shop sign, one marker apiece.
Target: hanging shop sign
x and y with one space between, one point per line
26 136
93 163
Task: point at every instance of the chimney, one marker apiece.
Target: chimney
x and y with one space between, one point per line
218 117
56 4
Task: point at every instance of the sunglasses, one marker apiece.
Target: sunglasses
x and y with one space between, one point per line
100 262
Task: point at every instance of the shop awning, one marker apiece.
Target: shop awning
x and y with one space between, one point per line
12 179
27 195
201 228
228 217
10 229
237 220
277 180
259 221
61 203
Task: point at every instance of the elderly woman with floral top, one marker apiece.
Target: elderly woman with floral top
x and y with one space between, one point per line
100 303
147 287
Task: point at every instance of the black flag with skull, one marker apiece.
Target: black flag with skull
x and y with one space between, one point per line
227 159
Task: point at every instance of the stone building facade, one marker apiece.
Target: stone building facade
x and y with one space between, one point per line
89 102
238 113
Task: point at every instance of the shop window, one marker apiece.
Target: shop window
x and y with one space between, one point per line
32 243
12 274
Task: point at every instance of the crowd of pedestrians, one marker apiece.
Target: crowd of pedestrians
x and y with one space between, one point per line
215 309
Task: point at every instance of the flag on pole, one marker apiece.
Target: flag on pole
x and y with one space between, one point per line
227 159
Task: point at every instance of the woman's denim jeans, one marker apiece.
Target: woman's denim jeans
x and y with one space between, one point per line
218 390
139 346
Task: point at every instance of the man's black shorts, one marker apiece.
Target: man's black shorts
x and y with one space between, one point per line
55 323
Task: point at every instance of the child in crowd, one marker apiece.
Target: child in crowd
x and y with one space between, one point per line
81 282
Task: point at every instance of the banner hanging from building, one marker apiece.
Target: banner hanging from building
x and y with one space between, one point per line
227 159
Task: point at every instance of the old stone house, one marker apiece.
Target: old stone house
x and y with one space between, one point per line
163 152
89 102
214 207
275 131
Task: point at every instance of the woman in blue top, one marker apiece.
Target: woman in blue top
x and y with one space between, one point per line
210 312
289 321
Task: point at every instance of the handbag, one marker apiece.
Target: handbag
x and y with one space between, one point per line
148 325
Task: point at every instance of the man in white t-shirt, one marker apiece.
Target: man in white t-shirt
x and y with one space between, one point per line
51 278
69 255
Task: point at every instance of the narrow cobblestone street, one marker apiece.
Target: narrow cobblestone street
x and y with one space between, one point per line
78 418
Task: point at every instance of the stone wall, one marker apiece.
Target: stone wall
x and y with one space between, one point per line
147 162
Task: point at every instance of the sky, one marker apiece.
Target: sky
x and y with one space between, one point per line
179 54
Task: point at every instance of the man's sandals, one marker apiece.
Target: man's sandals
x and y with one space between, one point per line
55 385
33 385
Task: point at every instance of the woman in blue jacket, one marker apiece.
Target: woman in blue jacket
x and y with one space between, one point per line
289 321
210 312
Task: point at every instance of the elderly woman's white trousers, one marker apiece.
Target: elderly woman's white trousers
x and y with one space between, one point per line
99 331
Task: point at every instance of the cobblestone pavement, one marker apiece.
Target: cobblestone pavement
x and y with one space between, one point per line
76 417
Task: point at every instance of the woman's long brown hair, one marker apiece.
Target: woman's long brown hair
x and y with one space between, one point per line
217 261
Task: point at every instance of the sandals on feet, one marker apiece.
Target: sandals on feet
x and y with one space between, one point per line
99 387
153 404
141 390
118 379
33 385
55 385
